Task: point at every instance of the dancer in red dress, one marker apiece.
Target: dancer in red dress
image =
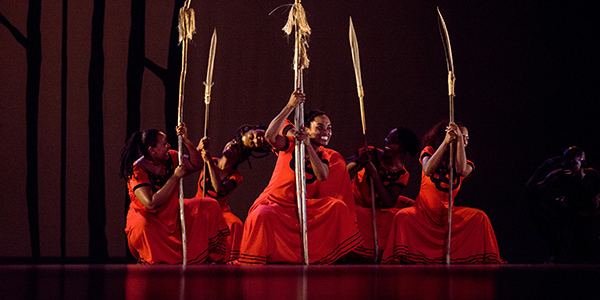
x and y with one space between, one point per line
271 230
153 225
223 176
386 167
418 233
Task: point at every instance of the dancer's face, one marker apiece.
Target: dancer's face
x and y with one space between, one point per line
574 165
231 150
254 138
319 130
392 143
161 149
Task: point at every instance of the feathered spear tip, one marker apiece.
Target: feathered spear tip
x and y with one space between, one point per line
187 23
297 18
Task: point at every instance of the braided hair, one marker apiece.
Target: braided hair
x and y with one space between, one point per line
137 145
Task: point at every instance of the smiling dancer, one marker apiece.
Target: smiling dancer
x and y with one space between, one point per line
271 233
153 226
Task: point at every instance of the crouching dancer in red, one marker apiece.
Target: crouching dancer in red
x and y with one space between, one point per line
387 168
418 233
271 230
224 177
153 225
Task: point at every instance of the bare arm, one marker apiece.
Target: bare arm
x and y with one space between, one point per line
430 164
462 167
550 179
387 195
320 169
155 200
353 168
356 162
192 161
216 181
542 171
272 133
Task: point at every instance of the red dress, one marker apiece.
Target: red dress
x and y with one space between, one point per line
236 226
361 189
271 230
154 236
418 233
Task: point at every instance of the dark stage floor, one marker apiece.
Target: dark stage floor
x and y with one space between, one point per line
297 282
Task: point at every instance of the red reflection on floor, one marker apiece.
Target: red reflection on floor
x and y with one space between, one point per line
345 282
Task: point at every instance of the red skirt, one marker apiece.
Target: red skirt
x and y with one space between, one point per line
416 239
236 226
384 219
151 241
272 234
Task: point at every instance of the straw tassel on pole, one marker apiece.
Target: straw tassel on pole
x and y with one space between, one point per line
186 28
297 22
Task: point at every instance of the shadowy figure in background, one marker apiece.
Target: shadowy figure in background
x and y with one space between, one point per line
563 198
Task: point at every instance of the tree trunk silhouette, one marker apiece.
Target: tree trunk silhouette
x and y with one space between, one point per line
98 250
135 65
34 62
136 55
171 81
33 51
137 62
63 134
170 76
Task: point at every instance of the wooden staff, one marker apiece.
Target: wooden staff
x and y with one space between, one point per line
451 81
207 90
297 22
361 95
187 28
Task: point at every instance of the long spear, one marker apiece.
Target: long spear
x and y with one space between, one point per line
451 81
361 95
297 22
207 90
187 28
